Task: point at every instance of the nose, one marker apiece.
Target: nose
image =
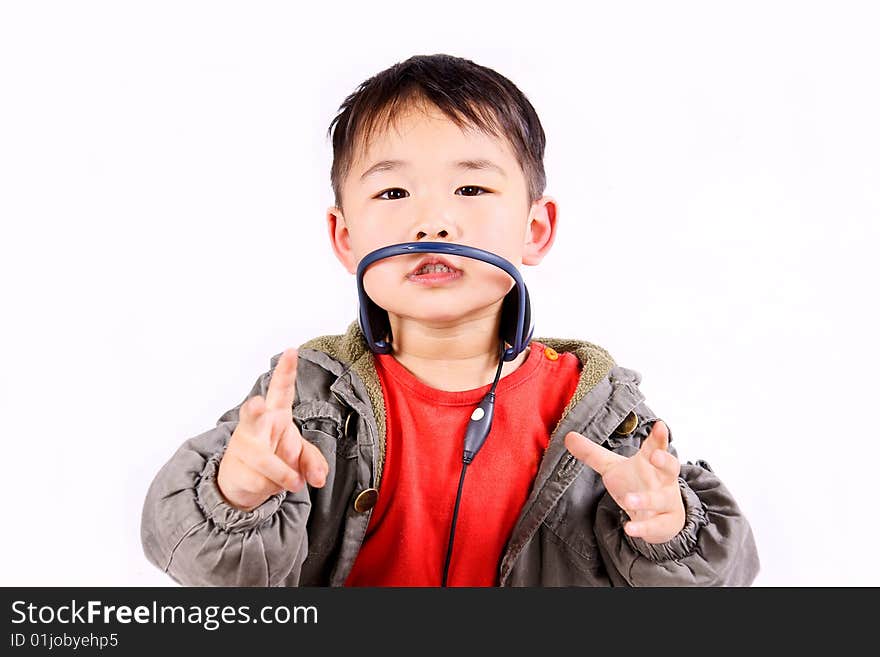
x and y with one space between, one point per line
432 220
438 233
437 227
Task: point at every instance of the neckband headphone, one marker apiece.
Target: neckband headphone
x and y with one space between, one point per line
516 325
516 331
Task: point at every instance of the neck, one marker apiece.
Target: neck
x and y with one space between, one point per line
451 356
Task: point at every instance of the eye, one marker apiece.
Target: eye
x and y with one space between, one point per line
393 189
474 187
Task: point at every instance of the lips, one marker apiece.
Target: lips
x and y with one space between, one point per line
434 260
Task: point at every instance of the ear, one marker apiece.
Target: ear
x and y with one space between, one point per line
541 230
340 239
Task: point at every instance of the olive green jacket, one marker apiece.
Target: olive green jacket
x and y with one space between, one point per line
568 533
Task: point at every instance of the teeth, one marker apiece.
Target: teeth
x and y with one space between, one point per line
433 269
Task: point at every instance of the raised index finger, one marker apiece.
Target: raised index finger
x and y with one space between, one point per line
282 385
593 455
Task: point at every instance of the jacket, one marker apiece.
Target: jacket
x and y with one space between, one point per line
568 533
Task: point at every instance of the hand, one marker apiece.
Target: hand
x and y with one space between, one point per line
266 452
644 485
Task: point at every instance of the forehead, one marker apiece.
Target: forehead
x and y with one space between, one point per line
426 134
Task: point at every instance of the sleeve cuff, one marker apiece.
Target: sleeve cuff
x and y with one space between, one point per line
682 544
222 513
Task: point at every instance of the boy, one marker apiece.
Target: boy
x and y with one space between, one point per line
342 465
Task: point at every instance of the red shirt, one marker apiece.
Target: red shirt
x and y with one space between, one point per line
408 532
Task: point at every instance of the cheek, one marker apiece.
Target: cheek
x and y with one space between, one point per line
501 236
379 280
489 278
362 244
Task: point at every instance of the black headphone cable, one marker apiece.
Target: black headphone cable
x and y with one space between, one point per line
477 430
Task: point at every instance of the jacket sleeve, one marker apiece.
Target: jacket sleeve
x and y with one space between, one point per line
191 532
715 547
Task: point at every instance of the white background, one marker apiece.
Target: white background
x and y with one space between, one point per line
164 177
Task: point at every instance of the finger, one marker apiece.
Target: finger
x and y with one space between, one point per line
593 455
250 412
657 439
256 482
313 464
270 426
272 467
290 446
661 525
282 385
668 465
636 516
646 501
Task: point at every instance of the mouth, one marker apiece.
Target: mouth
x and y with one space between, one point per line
434 269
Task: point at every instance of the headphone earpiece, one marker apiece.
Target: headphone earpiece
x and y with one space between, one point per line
374 322
510 319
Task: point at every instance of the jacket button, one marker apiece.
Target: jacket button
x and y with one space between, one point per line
366 500
628 425
550 353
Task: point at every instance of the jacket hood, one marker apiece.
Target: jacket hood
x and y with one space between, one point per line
351 350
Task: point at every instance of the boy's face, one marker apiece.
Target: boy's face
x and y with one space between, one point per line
428 197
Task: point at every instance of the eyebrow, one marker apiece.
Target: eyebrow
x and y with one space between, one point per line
478 164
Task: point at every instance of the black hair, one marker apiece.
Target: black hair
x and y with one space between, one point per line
469 94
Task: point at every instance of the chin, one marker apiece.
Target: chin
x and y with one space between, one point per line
441 311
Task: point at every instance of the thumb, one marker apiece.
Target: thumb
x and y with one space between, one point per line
593 455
